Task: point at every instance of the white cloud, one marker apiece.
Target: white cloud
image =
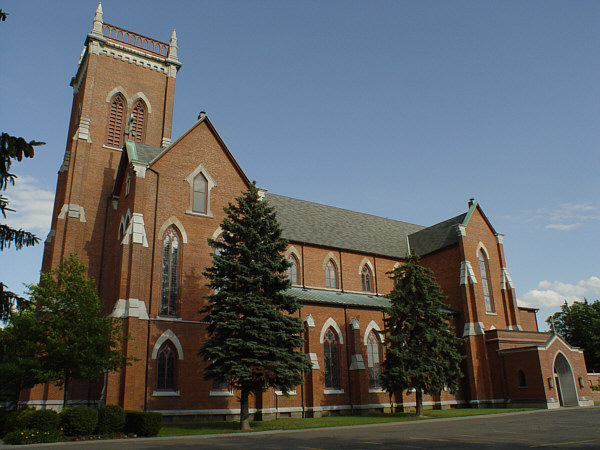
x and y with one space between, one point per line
563 226
32 204
552 294
563 217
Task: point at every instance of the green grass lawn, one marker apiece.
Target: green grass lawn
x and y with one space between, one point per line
183 429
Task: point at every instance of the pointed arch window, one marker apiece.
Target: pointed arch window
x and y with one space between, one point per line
138 128
522 379
292 271
374 358
330 275
331 359
200 194
116 119
166 360
367 279
171 262
484 268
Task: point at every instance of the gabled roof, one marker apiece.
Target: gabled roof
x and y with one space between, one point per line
327 226
143 153
436 237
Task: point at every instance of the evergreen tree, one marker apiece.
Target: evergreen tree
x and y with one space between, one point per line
79 342
254 339
422 349
579 325
12 148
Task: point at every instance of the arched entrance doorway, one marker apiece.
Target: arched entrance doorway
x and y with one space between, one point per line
565 382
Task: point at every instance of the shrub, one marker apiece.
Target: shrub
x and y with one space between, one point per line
29 436
143 423
111 419
79 420
42 420
16 420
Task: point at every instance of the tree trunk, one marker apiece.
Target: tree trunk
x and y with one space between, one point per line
244 414
419 406
392 402
65 391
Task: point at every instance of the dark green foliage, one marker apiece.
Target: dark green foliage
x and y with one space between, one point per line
21 350
143 423
111 419
78 420
79 342
16 420
579 325
43 420
254 339
422 349
11 148
30 436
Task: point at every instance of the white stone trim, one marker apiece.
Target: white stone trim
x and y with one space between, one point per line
51 234
177 224
167 336
506 280
210 185
354 324
217 233
118 90
131 307
141 96
473 329
515 327
312 357
372 326
290 392
65 164
331 323
165 394
333 391
139 169
72 210
480 246
500 238
467 273
292 251
136 230
165 142
216 393
461 230
310 322
331 256
365 261
83 131
357 362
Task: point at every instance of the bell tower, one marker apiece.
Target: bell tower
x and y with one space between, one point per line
123 89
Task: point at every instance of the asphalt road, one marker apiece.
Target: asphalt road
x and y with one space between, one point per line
562 428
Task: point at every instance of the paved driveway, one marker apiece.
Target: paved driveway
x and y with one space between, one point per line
562 428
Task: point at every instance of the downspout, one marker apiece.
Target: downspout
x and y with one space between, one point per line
151 286
303 345
302 248
348 359
375 274
341 271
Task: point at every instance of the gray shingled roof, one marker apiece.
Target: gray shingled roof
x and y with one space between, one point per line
436 236
336 297
313 223
146 153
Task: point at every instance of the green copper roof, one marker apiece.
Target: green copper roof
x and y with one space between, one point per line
339 298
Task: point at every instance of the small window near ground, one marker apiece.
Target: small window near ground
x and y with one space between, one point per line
522 379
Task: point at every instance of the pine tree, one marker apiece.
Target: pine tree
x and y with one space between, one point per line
254 338
422 349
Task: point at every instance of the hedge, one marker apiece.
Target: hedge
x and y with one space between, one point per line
111 419
79 420
143 423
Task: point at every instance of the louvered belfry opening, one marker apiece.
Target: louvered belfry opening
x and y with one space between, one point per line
114 134
139 121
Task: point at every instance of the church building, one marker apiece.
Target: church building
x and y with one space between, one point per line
137 205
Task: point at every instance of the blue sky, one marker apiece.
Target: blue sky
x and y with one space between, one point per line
400 109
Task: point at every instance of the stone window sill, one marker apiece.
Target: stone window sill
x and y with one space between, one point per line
221 393
333 391
166 394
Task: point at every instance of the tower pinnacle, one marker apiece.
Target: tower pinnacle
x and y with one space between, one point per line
97 28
